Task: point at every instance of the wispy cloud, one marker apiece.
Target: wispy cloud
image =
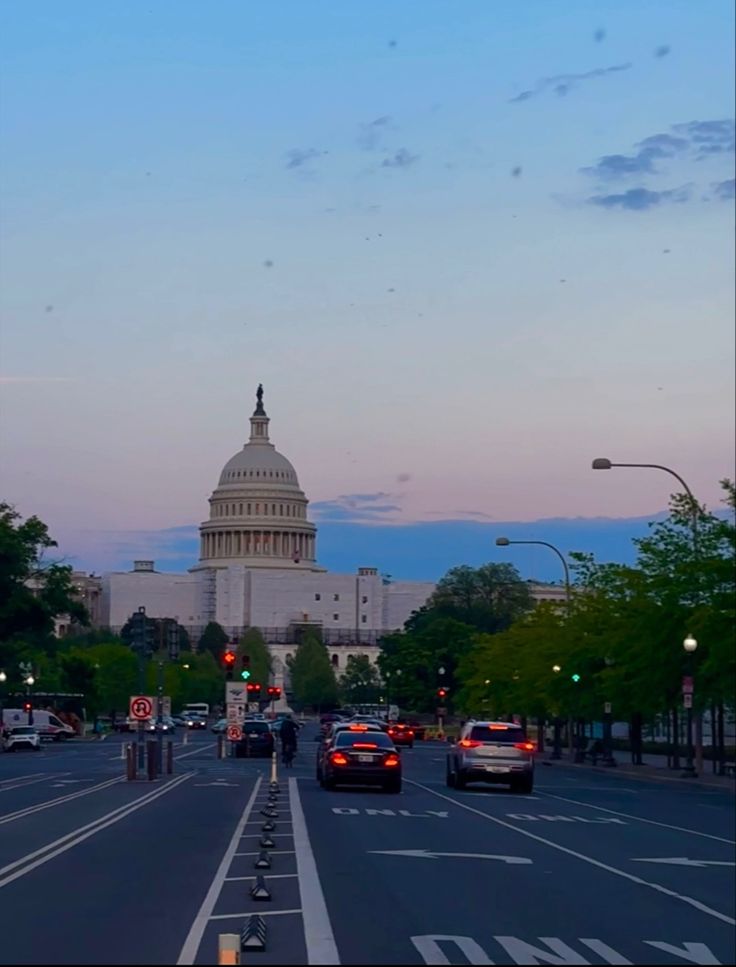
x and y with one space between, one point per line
641 199
651 149
296 157
709 137
403 158
562 84
379 507
662 50
725 190
372 134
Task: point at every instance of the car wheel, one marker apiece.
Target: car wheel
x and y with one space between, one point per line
393 786
461 780
450 777
36 748
328 784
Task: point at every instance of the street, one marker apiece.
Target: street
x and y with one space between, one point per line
591 868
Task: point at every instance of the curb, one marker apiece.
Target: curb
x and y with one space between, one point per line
728 785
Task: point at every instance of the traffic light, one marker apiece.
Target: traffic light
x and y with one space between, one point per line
441 693
245 667
575 678
274 692
228 660
27 706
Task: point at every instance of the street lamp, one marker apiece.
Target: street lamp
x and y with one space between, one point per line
689 644
388 676
603 463
3 679
557 735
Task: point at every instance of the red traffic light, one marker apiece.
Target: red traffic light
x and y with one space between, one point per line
229 659
27 706
441 693
253 688
274 691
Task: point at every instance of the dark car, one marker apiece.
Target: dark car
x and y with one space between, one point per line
192 720
257 740
402 734
366 758
327 740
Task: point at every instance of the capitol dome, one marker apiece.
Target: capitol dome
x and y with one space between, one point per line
258 513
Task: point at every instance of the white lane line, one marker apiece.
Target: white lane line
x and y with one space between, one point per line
652 822
29 810
22 783
318 935
271 876
30 775
582 856
78 836
27 780
201 748
248 913
258 835
281 852
196 931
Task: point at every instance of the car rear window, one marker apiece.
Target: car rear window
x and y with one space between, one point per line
250 727
376 738
23 730
500 736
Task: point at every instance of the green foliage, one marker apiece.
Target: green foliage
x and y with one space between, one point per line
32 591
361 683
489 598
253 644
312 675
214 639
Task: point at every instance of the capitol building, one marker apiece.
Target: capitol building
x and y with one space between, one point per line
258 568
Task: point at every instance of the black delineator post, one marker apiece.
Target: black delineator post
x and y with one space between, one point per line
151 757
169 757
130 762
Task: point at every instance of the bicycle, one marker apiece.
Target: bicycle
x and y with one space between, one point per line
287 755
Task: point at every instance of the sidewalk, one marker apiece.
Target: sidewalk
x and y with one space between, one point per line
654 768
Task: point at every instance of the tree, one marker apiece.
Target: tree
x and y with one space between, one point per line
32 591
361 683
490 597
253 644
312 675
214 639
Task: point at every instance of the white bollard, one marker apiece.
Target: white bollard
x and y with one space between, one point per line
185 740
124 750
228 948
274 775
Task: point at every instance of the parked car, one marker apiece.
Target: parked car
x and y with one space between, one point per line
21 737
257 740
220 726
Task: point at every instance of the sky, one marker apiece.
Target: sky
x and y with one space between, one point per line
466 247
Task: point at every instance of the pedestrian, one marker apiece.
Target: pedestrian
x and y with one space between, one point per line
287 734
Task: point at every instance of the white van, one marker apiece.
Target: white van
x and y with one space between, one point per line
48 725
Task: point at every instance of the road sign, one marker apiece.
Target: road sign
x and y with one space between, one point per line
687 685
141 707
687 700
235 694
236 714
607 708
442 710
234 733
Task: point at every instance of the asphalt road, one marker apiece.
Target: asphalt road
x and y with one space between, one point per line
589 869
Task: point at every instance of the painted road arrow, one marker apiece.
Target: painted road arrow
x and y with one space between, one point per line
682 861
431 855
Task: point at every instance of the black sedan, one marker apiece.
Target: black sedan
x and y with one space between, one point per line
369 758
257 740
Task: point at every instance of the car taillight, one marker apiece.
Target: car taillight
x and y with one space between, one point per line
338 759
410 731
364 745
391 760
469 743
524 746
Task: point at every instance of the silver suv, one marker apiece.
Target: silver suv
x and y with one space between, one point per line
491 752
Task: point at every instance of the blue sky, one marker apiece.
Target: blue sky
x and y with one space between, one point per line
466 247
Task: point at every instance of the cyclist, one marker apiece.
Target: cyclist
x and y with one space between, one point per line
287 734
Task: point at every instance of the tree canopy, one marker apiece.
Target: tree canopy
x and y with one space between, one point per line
312 675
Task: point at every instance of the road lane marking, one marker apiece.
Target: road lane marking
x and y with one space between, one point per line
640 819
532 817
681 861
318 935
691 901
432 855
271 876
281 852
47 804
82 833
30 775
248 913
696 953
21 783
199 924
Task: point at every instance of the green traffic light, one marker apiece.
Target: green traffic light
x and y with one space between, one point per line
245 674
576 678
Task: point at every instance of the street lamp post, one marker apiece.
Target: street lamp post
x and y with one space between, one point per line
3 679
397 673
603 463
505 542
689 644
29 681
557 740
